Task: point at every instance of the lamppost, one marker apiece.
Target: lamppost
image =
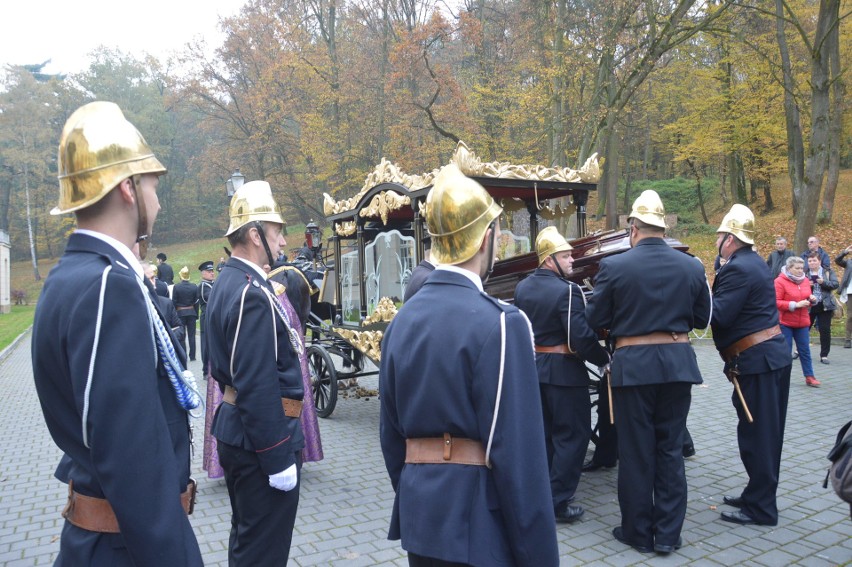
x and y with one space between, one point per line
313 240
234 182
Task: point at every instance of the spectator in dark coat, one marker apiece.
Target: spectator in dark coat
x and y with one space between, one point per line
778 257
165 271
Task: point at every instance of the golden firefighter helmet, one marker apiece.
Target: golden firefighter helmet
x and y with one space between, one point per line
740 222
648 208
458 213
98 150
184 273
253 202
548 242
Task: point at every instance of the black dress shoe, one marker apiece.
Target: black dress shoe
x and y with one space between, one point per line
738 517
618 534
592 466
569 514
663 549
735 501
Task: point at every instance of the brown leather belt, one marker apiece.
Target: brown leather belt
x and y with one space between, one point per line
446 449
652 339
749 341
185 308
292 408
96 515
555 349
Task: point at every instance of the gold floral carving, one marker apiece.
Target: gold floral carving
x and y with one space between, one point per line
385 172
368 342
345 228
383 203
471 165
384 313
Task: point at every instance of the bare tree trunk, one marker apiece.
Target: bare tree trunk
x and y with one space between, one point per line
646 157
33 255
767 195
835 129
795 143
557 155
818 150
611 166
698 193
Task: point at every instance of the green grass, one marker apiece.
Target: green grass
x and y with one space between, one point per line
14 323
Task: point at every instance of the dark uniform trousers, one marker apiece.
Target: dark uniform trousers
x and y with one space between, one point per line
653 496
606 449
744 303
766 395
567 432
259 511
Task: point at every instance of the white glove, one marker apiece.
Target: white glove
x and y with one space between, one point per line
285 480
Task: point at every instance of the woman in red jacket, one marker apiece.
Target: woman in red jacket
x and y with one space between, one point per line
794 298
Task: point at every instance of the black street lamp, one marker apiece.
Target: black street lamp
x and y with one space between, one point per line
313 237
233 184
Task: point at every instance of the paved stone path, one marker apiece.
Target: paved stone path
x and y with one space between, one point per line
346 498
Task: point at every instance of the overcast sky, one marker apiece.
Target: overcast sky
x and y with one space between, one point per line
66 32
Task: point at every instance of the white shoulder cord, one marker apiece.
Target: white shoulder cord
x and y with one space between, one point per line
276 307
94 354
499 387
237 334
707 328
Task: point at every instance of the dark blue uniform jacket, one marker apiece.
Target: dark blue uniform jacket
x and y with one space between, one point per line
545 298
651 288
185 294
138 435
744 303
265 368
439 374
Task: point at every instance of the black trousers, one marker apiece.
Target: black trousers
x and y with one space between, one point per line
262 517
651 475
567 429
203 345
606 450
189 324
821 319
760 442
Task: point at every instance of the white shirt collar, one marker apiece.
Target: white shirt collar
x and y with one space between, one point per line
125 252
252 265
477 281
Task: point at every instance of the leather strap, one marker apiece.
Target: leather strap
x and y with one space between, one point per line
96 515
555 349
184 307
749 341
446 449
652 339
292 408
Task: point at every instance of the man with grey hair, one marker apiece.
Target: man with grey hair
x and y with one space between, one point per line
777 257
813 246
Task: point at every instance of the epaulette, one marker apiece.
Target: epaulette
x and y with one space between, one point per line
499 303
